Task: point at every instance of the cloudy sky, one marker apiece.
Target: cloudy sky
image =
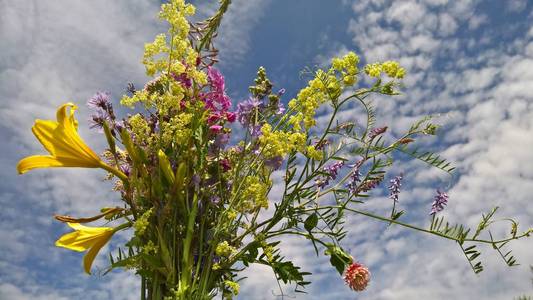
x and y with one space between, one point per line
469 61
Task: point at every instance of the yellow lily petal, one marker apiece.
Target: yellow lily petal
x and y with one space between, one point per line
91 254
86 238
37 161
60 138
43 130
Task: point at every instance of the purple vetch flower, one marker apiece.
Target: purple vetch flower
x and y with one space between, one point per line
281 92
331 174
355 178
377 131
440 200
394 187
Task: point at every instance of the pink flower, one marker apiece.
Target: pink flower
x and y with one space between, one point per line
215 128
357 276
231 116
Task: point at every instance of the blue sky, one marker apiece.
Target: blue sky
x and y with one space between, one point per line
470 61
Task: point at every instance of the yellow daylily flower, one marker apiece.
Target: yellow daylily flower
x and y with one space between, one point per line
60 138
83 238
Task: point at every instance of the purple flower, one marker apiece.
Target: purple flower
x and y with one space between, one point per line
281 92
126 169
377 131
100 100
355 178
440 200
281 109
247 109
331 174
97 120
394 187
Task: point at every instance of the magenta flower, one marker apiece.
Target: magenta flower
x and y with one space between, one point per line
216 100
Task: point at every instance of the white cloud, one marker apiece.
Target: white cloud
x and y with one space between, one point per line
516 5
234 36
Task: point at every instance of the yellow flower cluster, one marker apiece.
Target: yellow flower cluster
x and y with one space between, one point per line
176 130
373 70
280 143
391 68
347 66
325 85
224 249
149 248
233 286
170 54
313 153
311 97
254 195
140 129
142 223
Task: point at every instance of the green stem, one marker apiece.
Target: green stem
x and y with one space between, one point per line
389 220
186 261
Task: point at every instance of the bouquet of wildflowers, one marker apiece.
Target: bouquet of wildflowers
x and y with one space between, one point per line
194 174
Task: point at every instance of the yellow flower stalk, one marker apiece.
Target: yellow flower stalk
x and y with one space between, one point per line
86 238
61 139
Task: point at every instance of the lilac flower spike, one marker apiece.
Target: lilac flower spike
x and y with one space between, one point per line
441 199
355 178
377 131
331 174
394 187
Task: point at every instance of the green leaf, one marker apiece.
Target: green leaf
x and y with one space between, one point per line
311 222
339 259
